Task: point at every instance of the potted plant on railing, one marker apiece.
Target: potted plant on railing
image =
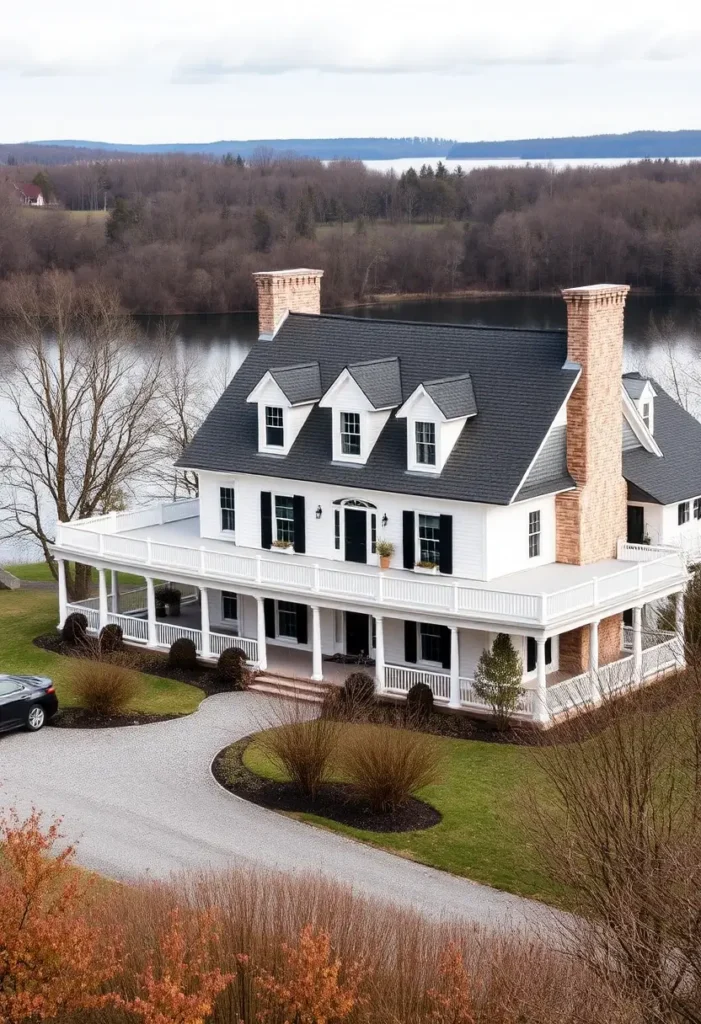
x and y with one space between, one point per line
168 599
284 545
385 549
428 567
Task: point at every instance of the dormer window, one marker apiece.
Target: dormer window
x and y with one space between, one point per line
425 443
646 415
350 433
274 427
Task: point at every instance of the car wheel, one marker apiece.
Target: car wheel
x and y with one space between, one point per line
36 717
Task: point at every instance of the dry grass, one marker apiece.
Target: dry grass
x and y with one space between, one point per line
305 749
104 686
386 766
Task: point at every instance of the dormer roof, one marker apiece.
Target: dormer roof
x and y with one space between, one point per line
636 385
454 396
379 380
300 383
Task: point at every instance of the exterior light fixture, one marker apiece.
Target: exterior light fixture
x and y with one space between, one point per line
385 520
318 511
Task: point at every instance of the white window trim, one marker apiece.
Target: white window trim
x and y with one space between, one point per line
433 665
538 534
423 467
274 497
228 534
278 449
224 618
417 538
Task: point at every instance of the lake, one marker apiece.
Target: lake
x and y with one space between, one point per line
402 164
221 342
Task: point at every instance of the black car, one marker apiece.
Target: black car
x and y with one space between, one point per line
26 702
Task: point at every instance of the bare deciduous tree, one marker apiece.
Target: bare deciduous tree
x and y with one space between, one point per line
85 409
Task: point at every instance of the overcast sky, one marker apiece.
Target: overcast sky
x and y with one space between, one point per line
147 71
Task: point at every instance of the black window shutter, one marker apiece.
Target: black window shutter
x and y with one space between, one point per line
548 651
445 642
302 632
266 519
300 534
446 544
410 642
531 654
409 556
269 608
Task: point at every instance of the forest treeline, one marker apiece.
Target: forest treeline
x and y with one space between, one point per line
184 234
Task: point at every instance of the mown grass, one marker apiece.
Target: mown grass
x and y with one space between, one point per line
25 614
483 798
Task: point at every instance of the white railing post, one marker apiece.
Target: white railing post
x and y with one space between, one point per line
113 521
456 593
151 611
102 591
544 608
204 623
454 701
540 699
101 543
637 644
379 653
316 585
114 587
149 553
317 672
260 634
380 589
62 591
258 569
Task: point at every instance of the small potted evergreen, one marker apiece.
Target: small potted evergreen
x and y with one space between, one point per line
385 549
168 599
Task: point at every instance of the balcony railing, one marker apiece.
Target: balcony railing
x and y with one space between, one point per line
647 568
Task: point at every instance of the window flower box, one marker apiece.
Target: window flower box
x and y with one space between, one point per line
428 568
284 547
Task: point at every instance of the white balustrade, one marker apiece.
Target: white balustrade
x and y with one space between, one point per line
571 693
167 633
133 627
399 679
220 641
125 547
91 614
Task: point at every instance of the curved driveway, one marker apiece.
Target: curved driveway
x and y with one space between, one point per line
141 801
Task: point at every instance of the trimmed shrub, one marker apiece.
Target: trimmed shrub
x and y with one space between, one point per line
231 668
75 628
182 653
419 702
304 749
103 687
111 638
168 599
386 766
359 690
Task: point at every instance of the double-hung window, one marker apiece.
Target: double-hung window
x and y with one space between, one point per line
350 433
287 619
284 519
697 508
425 443
682 513
431 640
229 606
274 427
646 414
227 505
429 539
533 534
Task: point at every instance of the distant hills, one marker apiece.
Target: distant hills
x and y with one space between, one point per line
633 145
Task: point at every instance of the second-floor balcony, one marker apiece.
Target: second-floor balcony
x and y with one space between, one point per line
165 539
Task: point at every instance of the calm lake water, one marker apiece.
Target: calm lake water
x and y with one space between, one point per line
221 342
402 164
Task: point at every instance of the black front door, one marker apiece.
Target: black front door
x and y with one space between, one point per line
356 535
357 633
636 524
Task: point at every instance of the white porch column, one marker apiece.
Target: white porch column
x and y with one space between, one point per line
260 635
204 622
114 579
540 704
62 591
379 653
454 701
637 645
102 590
317 673
151 611
596 693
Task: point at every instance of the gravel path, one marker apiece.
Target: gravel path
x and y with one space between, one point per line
141 801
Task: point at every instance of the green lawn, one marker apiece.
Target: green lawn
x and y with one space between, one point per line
482 799
40 572
25 614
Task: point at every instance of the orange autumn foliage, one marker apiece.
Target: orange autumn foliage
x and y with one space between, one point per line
51 960
308 988
453 1002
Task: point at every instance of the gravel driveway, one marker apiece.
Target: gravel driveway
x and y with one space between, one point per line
141 801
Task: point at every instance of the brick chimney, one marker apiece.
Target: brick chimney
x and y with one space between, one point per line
286 291
592 518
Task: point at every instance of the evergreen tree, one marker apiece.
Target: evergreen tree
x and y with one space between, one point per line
498 679
45 184
227 160
240 162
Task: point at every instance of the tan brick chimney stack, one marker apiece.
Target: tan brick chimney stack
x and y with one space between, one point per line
286 291
591 519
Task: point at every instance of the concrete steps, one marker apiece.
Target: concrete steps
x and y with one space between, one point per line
303 690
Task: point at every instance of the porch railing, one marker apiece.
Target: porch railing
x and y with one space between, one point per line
399 679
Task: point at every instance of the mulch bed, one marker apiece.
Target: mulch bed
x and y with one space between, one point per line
81 718
334 800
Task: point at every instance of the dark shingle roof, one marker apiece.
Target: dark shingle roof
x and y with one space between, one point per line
634 384
518 374
300 383
380 381
677 475
454 396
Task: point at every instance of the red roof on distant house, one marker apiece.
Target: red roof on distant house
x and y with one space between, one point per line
28 190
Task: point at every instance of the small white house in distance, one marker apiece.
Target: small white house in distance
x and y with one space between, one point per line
506 467
29 194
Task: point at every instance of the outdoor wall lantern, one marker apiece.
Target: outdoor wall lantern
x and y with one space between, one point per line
318 511
385 520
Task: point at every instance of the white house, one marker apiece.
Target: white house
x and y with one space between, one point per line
29 194
502 464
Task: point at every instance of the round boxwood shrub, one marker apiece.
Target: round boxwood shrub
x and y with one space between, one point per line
111 637
419 701
359 689
231 668
75 628
182 653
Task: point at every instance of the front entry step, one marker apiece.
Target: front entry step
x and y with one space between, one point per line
302 690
